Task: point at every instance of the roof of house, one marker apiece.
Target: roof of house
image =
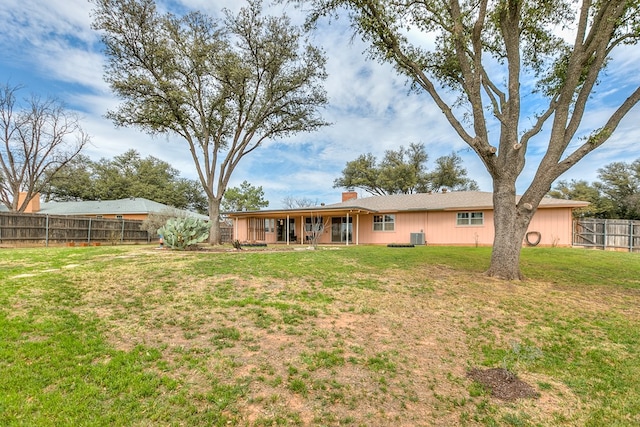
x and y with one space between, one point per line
453 200
133 205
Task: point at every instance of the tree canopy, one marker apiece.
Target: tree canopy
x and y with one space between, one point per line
246 197
222 86
498 56
615 195
404 171
38 137
126 175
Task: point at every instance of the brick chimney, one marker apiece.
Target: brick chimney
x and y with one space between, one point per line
34 204
349 195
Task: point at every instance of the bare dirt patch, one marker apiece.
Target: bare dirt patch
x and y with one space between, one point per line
503 384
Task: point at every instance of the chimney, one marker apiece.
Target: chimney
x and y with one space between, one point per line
349 195
34 204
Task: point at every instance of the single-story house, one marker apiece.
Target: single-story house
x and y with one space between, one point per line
136 208
448 218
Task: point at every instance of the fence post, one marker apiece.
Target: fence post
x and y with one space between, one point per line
46 232
630 236
89 232
122 232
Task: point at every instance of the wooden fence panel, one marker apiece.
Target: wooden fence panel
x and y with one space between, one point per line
34 229
614 234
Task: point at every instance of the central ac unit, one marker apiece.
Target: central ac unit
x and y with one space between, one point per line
417 239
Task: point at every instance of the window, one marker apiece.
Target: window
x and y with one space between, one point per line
470 218
118 216
255 229
384 222
269 225
313 224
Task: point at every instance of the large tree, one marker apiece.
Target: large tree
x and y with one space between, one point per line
223 87
38 137
497 55
125 175
599 205
620 183
246 197
404 171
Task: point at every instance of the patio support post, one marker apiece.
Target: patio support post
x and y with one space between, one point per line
347 228
235 229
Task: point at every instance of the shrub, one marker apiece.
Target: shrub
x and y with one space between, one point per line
155 220
184 233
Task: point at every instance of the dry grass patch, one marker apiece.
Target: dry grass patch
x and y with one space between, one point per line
396 353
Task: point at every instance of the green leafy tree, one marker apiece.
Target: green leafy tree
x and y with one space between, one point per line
497 54
126 175
222 87
361 173
38 137
620 183
449 174
244 198
71 183
404 171
599 207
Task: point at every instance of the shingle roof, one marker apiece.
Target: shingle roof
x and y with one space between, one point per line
134 205
455 200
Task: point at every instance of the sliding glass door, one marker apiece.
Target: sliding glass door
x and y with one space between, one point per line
341 229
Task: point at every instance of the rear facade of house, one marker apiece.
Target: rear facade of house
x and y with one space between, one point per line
452 218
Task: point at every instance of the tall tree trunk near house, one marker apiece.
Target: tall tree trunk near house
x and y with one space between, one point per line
215 236
510 225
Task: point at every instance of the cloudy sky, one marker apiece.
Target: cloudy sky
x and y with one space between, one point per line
49 47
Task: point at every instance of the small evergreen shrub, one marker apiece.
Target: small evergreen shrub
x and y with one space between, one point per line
184 233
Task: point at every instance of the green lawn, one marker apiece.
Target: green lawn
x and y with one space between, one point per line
339 336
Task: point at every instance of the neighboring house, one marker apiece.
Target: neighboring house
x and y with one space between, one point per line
136 208
448 218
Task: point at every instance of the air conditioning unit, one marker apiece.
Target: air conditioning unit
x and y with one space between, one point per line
417 239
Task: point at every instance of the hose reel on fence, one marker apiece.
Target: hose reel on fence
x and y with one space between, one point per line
537 235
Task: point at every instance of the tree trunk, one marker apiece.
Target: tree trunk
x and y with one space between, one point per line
510 225
215 237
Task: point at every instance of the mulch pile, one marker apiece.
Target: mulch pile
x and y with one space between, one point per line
503 384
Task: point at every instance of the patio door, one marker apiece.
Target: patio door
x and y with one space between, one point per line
341 229
282 230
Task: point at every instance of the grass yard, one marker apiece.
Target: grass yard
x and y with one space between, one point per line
340 336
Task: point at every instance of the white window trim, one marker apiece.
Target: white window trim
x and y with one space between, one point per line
384 223
470 218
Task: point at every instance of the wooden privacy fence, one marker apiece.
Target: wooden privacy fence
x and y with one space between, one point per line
613 234
44 229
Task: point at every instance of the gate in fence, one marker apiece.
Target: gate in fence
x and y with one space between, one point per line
612 234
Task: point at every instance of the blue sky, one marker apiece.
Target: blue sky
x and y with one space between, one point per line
51 50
